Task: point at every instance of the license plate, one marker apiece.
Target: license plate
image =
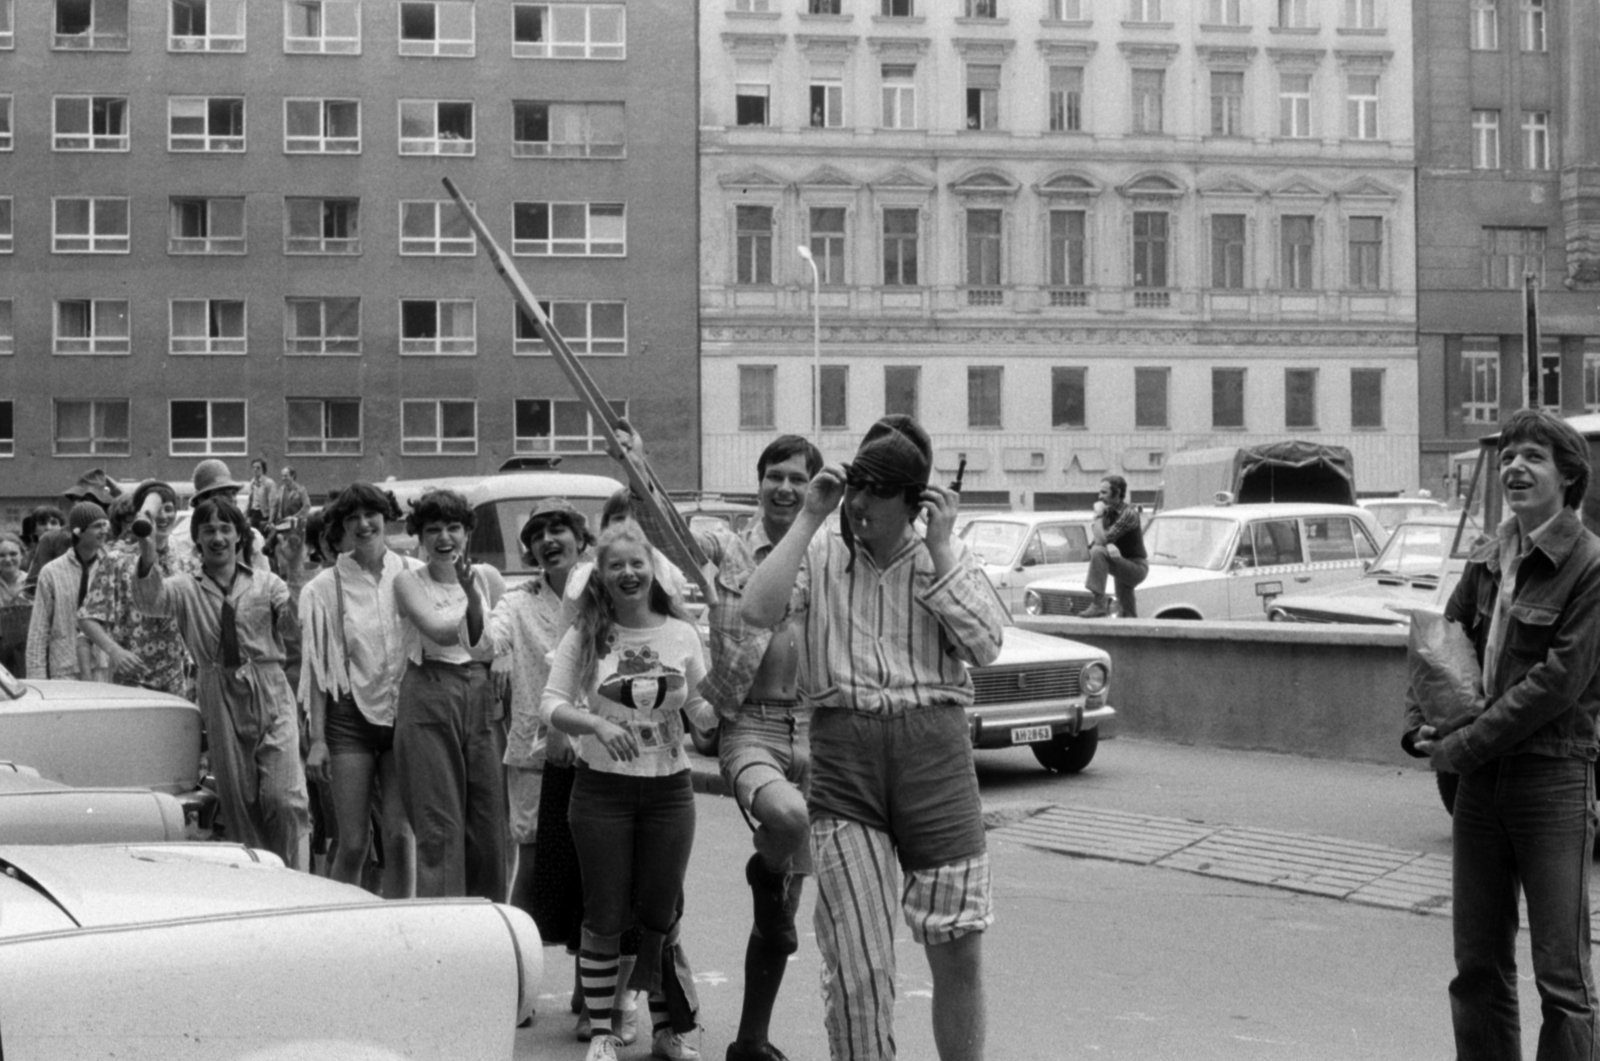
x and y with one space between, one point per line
1030 734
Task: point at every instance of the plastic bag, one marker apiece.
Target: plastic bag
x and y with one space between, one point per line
1445 677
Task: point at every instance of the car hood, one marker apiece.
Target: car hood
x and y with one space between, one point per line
1020 648
1366 601
101 885
1160 575
69 695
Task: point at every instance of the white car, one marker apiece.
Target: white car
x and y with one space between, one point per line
1393 511
1017 549
1232 561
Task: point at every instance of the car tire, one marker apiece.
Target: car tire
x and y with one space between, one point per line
1447 783
705 741
1066 754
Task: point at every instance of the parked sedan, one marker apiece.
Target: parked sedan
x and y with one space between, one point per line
1232 561
1020 548
1417 568
213 951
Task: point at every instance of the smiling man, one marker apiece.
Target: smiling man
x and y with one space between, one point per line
890 620
1524 810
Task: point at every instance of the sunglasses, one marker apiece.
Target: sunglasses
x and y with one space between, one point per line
881 491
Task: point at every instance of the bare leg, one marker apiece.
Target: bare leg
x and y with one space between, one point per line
959 1023
352 807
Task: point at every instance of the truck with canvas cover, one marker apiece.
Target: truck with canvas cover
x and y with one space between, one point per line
1273 472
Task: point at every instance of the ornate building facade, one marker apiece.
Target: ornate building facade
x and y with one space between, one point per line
1071 236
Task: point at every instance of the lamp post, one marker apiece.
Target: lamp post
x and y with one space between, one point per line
816 346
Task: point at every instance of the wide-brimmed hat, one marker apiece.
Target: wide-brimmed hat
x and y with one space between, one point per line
94 486
211 476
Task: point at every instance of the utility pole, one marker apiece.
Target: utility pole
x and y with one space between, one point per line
1530 339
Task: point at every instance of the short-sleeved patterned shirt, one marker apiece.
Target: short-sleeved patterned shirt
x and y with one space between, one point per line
154 639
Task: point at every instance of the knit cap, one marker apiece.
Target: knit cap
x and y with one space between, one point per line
84 515
895 451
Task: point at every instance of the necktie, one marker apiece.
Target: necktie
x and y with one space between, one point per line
230 636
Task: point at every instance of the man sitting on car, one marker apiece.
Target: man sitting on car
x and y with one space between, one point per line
1117 550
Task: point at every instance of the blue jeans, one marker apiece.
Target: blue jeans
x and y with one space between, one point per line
1523 822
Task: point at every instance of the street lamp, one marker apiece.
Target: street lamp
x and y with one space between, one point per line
816 347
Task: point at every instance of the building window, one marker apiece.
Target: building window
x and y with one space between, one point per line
1224 13
207 26
1227 103
90 226
1361 14
85 123
1484 32
1066 99
569 229
983 395
588 328
1299 247
757 396
207 326
1150 397
1148 90
438 326
827 104
1533 26
91 25
559 425
1591 379
1068 10
1366 397
980 9
91 326
438 428
752 6
983 96
569 31
8 337
207 428
1480 378
322 226
435 227
1068 397
899 96
897 8
901 384
1151 242
200 123
1366 253
567 130
1227 398
436 127
1068 245
321 126
5 123
900 247
97 427
1299 398
322 27
827 243
753 244
1511 253
984 248
323 427
835 391
1361 107
8 37
1536 139
1293 14
1227 251
1144 10
824 7
436 27
1485 139
8 430
7 226
752 94
322 325
1294 105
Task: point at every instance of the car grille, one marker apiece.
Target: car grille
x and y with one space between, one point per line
1010 685
1053 602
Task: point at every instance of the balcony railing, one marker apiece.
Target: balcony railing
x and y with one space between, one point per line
1068 298
1152 300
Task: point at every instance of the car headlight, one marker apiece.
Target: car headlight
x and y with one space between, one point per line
1031 603
1094 679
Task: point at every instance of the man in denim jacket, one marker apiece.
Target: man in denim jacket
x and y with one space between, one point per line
1524 811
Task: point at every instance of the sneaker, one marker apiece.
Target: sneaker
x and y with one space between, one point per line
602 1048
673 1046
585 1032
625 1025
761 1050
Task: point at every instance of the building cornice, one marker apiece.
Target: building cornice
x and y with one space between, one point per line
1400 335
1067 49
1148 53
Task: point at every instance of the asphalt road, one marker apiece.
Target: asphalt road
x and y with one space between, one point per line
1098 959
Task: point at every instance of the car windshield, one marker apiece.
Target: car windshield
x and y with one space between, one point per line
1189 541
12 689
1004 611
1419 548
1391 514
993 541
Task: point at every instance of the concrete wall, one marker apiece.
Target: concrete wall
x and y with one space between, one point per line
1326 692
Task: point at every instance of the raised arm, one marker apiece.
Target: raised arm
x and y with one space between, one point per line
766 595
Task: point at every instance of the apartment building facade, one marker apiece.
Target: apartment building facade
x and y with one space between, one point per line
223 233
1508 184
1072 236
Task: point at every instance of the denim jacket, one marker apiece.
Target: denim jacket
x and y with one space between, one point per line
1546 688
